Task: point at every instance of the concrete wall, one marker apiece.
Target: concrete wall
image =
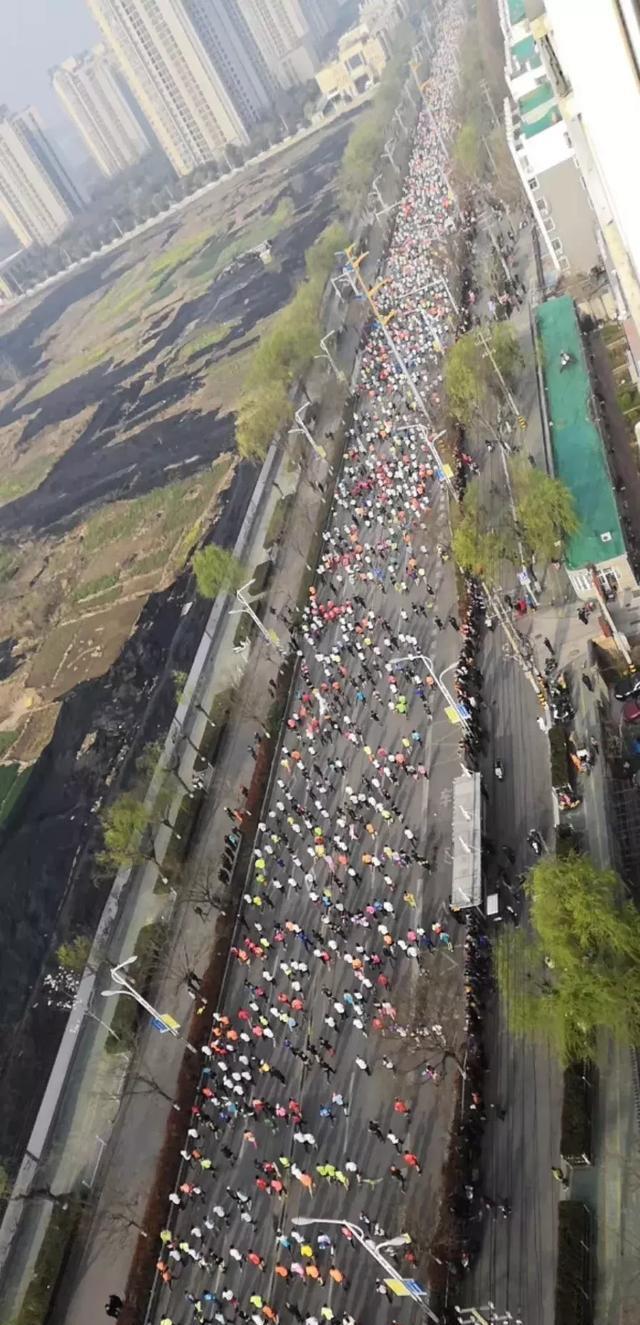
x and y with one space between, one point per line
563 191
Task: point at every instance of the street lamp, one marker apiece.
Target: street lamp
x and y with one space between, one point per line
388 153
245 606
359 286
125 987
433 450
449 699
375 188
326 354
305 432
374 1249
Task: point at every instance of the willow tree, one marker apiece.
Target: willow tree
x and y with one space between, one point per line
575 971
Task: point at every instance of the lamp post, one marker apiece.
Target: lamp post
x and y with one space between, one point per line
449 699
302 429
375 188
374 1250
433 450
359 286
245 606
125 987
326 354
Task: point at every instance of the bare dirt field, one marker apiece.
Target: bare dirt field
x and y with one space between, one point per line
117 441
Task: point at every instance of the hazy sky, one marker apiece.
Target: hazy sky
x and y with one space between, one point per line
37 34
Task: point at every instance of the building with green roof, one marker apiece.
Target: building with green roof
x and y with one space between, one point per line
578 453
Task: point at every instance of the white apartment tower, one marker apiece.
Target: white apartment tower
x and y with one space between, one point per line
235 55
37 197
90 92
282 33
170 71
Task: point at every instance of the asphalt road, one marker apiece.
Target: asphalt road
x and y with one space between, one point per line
424 807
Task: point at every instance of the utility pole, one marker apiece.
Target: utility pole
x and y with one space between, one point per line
485 343
483 340
485 223
359 286
521 650
484 88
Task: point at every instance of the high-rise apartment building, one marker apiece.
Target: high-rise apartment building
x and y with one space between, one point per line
235 55
173 77
591 56
543 154
282 34
90 92
38 199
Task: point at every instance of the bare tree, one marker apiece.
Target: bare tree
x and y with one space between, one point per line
426 1028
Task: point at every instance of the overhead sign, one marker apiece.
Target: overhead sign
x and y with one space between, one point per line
165 1023
405 1287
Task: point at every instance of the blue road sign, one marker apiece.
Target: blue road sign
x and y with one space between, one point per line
159 1026
415 1287
463 711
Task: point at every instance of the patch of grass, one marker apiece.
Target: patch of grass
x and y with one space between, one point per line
129 1015
17 485
206 340
49 1265
122 297
176 255
61 373
13 778
6 741
215 258
167 509
8 564
145 565
94 587
279 519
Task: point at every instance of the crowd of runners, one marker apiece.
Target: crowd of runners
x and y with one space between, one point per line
338 917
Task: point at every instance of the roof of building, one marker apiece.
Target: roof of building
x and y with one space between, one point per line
466 883
578 452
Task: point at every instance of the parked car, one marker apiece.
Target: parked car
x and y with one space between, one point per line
628 687
631 711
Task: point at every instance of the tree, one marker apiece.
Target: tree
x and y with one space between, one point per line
506 351
262 414
479 543
5 1184
361 156
216 571
466 381
577 971
320 259
546 512
428 1027
124 823
470 378
73 956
